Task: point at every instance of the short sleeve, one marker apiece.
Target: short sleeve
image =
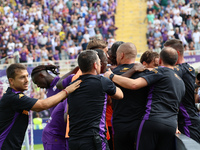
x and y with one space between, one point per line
108 86
67 80
152 76
22 102
179 70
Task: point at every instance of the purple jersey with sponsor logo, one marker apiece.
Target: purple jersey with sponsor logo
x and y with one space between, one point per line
52 90
54 132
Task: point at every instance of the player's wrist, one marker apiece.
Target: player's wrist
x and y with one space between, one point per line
67 93
111 76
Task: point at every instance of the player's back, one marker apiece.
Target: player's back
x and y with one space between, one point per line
166 91
87 106
132 107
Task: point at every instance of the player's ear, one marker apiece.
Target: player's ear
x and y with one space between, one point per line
41 75
95 65
178 52
122 56
160 61
11 81
144 63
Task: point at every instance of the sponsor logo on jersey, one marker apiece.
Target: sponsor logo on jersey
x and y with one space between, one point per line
21 95
54 88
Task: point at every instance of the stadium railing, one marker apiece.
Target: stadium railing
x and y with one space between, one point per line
64 65
67 65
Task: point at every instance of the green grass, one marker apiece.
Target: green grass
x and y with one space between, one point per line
36 147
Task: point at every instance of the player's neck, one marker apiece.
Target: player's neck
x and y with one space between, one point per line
93 72
180 60
128 61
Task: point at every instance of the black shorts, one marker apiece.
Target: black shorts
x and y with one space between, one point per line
125 139
88 143
155 136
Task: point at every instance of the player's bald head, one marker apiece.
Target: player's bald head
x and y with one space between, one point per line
129 50
169 56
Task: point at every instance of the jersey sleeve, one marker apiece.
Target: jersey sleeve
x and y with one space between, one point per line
22 102
108 86
67 80
179 70
152 76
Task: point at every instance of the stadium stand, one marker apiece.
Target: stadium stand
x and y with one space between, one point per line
34 31
169 19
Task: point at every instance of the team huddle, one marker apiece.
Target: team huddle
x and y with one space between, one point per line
150 100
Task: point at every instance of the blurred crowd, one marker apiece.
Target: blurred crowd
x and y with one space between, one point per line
168 19
41 30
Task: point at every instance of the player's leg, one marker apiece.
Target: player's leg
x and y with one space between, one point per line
147 137
166 139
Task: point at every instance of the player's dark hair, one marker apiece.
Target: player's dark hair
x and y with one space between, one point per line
96 44
169 56
86 59
148 56
10 71
100 53
40 68
176 44
113 51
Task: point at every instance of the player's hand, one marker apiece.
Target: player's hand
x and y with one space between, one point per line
177 131
138 67
107 73
71 88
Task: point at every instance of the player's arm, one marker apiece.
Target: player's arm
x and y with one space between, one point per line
138 67
59 83
127 83
49 102
118 94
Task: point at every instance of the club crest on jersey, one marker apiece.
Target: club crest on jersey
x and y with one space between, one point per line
190 69
176 67
124 70
21 95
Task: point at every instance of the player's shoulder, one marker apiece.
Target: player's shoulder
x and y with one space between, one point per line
122 68
184 66
9 95
157 69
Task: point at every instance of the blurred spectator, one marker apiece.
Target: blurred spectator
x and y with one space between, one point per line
10 55
23 54
191 46
196 39
37 122
56 55
150 16
173 19
44 53
49 24
84 44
